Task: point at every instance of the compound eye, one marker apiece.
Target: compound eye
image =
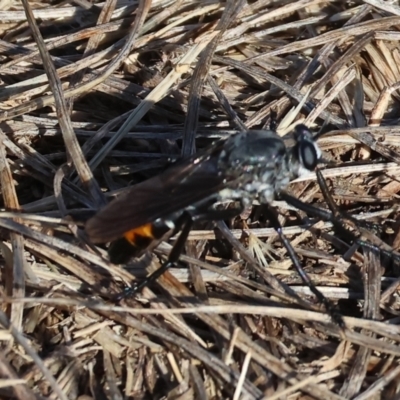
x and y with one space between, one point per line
308 155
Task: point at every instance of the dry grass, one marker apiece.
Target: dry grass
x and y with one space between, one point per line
94 98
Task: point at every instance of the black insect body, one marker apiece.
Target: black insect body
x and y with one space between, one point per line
248 166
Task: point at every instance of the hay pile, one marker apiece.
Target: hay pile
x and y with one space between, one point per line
97 97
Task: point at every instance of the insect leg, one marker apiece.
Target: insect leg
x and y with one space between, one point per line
337 221
338 214
184 224
273 124
378 246
218 215
330 308
324 215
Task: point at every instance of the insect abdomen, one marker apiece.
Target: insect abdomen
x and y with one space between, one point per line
136 240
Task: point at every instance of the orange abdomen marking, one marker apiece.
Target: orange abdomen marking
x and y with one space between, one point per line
138 239
138 234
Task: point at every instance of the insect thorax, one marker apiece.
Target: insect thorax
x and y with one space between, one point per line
258 166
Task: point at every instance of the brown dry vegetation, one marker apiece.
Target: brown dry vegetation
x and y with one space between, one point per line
96 97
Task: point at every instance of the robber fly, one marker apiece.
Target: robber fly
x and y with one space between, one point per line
248 166
251 165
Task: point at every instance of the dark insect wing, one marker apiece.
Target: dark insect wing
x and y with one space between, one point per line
180 186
